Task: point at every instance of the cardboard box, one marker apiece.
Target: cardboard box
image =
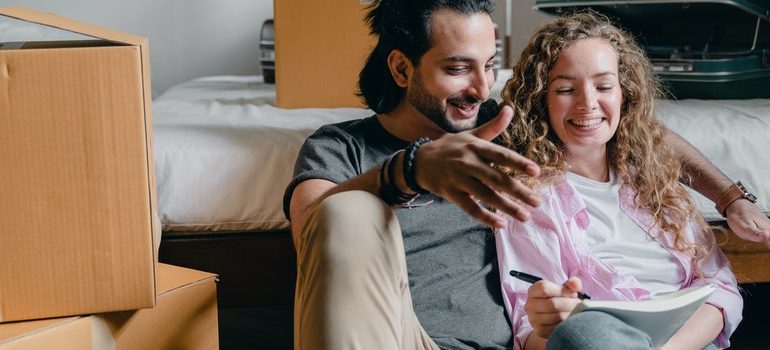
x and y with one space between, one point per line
185 317
320 47
77 222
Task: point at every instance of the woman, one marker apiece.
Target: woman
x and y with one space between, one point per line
614 220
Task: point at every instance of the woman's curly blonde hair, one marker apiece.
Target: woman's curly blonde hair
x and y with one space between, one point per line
637 152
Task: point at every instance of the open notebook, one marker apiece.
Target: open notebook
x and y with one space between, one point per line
659 317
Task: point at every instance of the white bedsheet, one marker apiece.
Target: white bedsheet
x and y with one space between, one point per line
733 134
224 154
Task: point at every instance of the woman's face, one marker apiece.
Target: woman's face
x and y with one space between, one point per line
584 96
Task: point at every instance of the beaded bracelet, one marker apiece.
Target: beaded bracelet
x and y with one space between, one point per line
410 160
389 192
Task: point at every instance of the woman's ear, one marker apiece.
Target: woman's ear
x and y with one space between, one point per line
400 67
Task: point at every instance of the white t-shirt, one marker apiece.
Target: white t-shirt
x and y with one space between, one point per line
618 241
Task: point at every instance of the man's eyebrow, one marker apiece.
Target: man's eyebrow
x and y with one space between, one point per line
462 58
569 77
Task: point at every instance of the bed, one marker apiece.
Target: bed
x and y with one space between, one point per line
224 155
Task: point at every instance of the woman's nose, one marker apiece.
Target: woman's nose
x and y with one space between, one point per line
588 101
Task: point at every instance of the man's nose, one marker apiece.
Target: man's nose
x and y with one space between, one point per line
482 80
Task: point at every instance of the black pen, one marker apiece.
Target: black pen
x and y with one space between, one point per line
532 279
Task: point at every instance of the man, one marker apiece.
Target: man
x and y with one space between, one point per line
424 276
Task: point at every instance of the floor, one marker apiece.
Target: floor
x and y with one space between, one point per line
270 327
264 327
752 333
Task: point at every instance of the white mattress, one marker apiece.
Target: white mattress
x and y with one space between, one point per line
733 134
224 154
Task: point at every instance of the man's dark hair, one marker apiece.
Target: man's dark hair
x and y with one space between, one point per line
403 25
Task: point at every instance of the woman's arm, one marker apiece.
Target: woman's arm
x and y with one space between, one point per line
700 330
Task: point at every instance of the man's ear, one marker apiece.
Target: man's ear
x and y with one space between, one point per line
400 67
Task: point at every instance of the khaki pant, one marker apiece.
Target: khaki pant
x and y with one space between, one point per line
352 285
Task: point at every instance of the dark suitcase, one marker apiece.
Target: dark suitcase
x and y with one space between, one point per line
716 49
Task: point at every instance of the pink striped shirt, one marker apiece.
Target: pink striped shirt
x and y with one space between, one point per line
552 244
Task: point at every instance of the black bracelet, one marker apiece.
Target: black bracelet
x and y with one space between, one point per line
410 160
389 192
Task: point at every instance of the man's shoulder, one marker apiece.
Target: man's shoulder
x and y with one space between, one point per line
348 127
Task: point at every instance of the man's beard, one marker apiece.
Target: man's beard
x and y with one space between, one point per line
431 107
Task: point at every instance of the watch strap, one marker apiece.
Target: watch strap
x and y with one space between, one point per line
735 192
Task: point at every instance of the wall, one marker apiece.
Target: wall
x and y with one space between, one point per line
188 38
193 38
523 23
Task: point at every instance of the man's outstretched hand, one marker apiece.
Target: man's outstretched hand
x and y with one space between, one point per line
459 167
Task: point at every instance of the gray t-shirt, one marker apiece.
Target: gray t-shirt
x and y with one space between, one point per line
450 257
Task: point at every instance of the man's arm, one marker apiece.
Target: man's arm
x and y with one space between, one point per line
743 217
698 172
454 166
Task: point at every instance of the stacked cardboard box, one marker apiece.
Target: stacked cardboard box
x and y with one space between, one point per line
184 317
78 229
77 208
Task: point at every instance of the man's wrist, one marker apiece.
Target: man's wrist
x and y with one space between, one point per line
733 193
398 175
409 165
391 186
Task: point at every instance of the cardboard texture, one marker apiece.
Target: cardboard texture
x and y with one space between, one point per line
320 46
77 216
185 317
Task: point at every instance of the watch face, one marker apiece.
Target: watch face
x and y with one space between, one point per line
746 194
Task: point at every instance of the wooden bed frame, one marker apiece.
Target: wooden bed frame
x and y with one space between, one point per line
258 268
750 260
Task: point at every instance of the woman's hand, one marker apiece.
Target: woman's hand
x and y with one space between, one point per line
549 303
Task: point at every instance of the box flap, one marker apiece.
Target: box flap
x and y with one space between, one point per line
14 330
16 30
51 20
172 277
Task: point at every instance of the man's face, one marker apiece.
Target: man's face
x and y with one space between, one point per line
455 75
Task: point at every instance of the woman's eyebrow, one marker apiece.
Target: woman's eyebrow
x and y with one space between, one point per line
570 77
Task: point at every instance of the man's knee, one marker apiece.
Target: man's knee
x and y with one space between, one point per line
596 330
351 224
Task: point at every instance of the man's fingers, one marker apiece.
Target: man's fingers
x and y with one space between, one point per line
495 179
500 155
745 227
467 203
496 126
